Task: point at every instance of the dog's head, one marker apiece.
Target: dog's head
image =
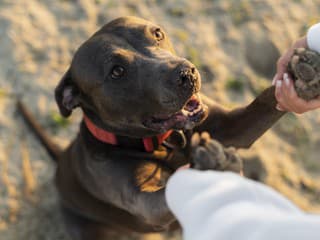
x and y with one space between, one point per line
128 80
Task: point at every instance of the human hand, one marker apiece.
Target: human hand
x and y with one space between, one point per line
288 100
284 60
285 93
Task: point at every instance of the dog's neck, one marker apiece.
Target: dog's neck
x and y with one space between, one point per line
149 143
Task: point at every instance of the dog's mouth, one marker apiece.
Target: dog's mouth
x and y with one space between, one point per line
192 113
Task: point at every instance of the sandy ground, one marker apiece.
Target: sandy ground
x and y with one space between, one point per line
235 44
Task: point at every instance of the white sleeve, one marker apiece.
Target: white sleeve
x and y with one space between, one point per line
216 205
313 37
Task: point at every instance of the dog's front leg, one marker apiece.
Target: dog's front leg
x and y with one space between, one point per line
208 153
241 127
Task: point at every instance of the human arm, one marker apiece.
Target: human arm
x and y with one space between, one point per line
221 205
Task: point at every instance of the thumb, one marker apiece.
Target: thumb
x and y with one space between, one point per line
275 78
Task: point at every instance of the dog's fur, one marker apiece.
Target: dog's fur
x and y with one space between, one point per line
105 187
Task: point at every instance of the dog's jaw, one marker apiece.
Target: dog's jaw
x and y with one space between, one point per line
193 113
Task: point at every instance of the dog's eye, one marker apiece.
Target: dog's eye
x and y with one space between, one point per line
117 72
158 34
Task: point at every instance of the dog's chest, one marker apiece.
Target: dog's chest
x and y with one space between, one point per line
151 176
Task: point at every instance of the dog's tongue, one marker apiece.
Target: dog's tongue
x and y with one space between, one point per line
192 103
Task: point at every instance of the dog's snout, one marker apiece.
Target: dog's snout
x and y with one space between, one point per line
187 76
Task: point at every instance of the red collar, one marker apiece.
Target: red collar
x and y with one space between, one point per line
110 138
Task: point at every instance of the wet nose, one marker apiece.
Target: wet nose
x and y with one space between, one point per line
187 76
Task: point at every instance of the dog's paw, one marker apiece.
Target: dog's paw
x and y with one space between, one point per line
304 68
208 153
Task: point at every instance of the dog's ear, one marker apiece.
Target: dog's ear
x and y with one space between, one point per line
67 95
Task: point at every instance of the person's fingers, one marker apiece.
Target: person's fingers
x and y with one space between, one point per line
299 105
290 95
292 91
283 62
279 108
293 103
289 98
279 96
275 78
278 93
290 101
281 66
285 87
278 90
285 93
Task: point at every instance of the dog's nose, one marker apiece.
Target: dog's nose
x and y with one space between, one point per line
188 76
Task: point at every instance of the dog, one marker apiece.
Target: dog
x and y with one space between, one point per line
140 102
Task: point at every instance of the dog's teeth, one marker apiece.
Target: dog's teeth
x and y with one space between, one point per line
185 112
198 109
